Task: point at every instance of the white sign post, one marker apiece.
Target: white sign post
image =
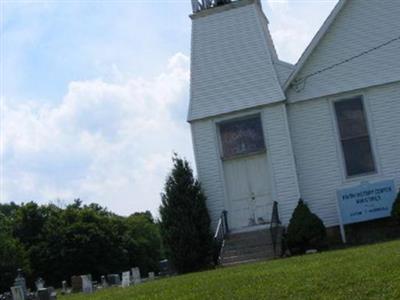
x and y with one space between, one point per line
367 201
341 225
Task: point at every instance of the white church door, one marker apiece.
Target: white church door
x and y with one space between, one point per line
247 184
246 172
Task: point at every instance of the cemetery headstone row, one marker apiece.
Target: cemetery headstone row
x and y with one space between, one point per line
20 292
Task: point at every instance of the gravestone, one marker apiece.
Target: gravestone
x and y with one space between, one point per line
64 288
76 284
136 275
151 276
95 286
165 267
43 294
17 293
126 279
87 286
52 293
39 283
20 281
103 281
113 279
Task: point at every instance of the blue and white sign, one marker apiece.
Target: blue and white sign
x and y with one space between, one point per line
368 201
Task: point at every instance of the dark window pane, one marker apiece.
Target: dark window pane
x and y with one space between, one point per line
358 156
351 118
241 137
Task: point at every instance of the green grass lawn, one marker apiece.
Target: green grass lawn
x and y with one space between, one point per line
368 272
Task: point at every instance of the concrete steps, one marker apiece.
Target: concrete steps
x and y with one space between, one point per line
246 247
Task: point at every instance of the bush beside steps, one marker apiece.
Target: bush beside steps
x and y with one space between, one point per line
305 231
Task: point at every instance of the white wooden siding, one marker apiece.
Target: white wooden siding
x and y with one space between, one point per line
317 148
231 63
280 155
359 26
208 166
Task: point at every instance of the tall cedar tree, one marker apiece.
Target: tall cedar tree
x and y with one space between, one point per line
185 223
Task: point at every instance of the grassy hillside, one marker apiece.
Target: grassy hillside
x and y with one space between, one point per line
368 272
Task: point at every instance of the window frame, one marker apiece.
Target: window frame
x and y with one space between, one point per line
235 119
369 135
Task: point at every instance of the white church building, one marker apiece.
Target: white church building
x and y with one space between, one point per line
265 130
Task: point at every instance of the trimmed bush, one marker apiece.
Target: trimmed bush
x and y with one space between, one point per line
305 231
396 208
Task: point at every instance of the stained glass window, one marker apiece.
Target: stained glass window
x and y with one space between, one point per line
354 136
241 137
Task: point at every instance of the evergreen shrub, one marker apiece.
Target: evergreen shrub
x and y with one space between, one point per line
396 208
305 231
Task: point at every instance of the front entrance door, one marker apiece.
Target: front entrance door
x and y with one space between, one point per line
248 187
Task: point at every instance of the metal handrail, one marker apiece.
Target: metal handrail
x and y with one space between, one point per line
275 225
219 236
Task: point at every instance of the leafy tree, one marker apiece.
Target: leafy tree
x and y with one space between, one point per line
80 240
143 242
9 209
12 255
29 221
396 208
185 223
305 231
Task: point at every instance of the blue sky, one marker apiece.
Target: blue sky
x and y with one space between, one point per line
94 95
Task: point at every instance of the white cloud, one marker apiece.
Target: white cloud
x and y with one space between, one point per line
107 141
294 23
278 4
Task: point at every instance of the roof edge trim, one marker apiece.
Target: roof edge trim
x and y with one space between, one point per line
314 42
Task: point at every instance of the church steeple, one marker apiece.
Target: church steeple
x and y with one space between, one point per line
232 58
198 5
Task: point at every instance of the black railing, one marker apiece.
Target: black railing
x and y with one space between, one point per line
275 226
198 5
219 236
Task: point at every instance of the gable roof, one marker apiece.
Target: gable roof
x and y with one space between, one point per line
315 41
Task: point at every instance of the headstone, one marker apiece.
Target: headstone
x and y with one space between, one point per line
311 251
76 284
151 276
17 293
87 286
39 283
126 279
117 279
103 281
43 294
113 279
95 286
136 275
64 288
20 281
165 267
52 293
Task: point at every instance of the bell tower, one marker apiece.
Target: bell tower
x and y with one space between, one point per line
232 58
